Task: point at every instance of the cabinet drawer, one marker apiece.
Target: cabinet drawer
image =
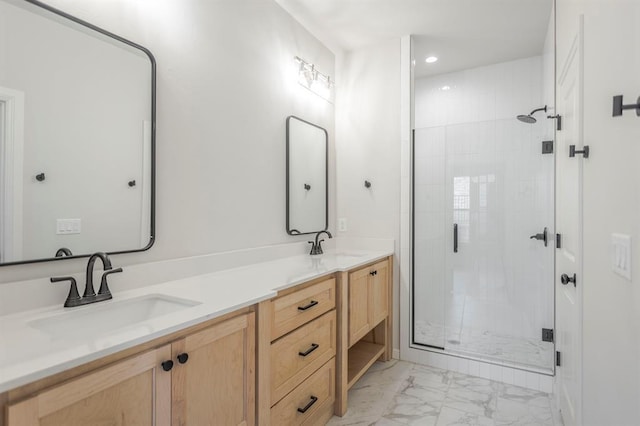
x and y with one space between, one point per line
295 309
310 401
298 354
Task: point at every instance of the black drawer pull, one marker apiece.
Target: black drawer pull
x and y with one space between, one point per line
372 273
313 347
182 358
310 305
167 365
304 409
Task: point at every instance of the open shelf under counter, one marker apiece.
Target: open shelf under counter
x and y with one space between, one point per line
362 355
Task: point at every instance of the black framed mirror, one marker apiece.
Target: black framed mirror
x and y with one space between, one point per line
307 177
77 121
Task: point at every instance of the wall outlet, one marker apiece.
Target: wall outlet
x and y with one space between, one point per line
621 255
342 224
68 226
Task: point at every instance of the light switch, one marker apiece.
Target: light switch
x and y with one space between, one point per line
342 224
68 226
621 255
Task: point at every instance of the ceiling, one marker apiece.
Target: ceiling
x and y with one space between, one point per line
461 33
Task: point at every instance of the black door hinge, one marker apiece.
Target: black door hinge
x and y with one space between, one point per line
558 240
547 334
558 359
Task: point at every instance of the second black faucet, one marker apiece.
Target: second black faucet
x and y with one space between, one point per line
316 247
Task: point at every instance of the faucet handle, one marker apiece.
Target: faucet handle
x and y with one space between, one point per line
74 297
104 286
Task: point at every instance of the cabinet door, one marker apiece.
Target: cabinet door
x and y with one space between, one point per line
131 392
379 292
358 305
215 384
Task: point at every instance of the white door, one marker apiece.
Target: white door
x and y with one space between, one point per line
11 154
569 225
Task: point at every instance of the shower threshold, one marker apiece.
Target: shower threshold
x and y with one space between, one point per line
483 345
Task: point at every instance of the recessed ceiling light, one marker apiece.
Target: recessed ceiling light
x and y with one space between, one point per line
431 59
446 87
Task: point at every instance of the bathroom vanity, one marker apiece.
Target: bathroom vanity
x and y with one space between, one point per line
204 372
278 342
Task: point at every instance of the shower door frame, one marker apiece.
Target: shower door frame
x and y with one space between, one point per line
412 332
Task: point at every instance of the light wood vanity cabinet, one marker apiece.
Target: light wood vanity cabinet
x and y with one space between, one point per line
300 381
364 324
368 299
213 385
133 391
296 350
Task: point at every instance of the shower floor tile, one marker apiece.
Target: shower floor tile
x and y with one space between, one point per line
487 345
401 393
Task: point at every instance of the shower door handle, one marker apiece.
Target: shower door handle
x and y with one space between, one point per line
541 237
455 237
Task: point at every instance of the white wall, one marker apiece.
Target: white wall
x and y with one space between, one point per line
368 145
500 281
226 83
611 314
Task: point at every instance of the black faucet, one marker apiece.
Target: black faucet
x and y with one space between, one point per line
63 251
90 296
316 247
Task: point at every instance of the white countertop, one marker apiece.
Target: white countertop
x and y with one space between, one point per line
28 354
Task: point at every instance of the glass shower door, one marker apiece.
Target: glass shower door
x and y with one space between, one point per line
482 287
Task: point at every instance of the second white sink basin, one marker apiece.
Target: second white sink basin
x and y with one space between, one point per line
349 256
106 317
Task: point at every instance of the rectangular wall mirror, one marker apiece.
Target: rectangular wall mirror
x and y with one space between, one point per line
77 137
307 174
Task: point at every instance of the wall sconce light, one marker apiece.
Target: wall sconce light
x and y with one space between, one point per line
310 78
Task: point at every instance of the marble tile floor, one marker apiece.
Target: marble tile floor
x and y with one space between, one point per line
399 393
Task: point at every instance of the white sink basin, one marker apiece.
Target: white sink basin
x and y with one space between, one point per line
350 253
348 256
106 317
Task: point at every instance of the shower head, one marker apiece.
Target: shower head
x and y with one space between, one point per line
529 118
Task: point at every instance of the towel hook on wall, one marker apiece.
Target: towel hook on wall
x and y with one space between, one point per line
618 106
367 184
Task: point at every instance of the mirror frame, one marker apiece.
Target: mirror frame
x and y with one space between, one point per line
326 178
147 52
